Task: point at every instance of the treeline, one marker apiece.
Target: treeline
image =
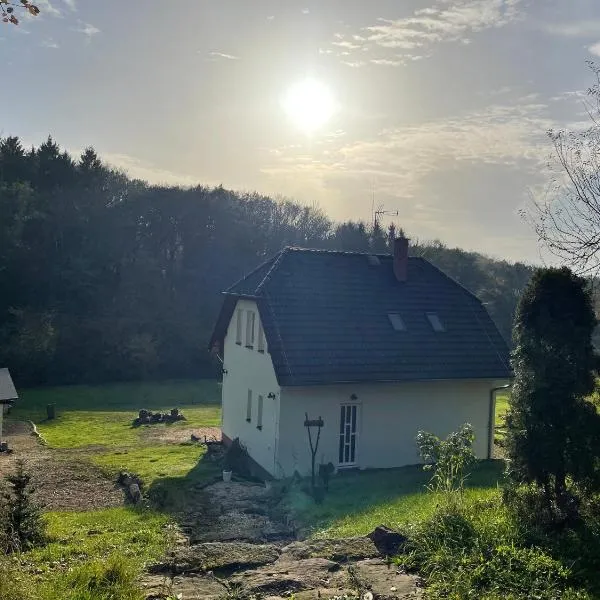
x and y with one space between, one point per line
104 278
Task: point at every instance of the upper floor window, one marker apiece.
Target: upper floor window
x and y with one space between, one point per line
261 338
250 319
238 326
249 407
435 322
397 321
259 413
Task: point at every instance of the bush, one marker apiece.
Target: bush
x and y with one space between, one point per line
449 459
22 525
464 553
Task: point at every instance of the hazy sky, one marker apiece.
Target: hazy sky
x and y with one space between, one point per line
441 105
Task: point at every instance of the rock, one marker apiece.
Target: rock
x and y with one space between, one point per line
287 576
135 494
191 587
385 581
339 550
386 540
217 555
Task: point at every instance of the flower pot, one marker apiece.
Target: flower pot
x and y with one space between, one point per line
226 476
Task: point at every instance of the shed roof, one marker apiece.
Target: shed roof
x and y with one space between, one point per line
326 319
7 387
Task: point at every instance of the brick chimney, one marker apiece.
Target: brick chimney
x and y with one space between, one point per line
401 258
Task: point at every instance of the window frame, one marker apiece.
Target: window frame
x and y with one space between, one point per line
261 338
239 325
249 407
259 412
250 328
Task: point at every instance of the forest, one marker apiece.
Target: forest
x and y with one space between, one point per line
106 278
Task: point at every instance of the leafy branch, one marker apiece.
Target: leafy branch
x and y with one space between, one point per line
7 10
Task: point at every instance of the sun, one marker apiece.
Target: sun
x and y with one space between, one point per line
309 104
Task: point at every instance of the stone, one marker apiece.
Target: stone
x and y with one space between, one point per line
385 581
387 541
287 576
217 555
134 492
191 587
347 549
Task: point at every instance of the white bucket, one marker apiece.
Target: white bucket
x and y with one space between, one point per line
226 476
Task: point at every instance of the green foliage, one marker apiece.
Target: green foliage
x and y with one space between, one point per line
464 554
449 459
553 432
20 518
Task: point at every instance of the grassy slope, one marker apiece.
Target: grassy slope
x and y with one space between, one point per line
95 421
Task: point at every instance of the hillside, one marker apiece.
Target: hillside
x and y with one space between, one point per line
107 278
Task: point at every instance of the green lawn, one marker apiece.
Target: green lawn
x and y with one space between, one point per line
94 423
359 501
97 420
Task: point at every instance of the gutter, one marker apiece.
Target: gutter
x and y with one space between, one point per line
492 417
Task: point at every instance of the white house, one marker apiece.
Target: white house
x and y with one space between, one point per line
378 346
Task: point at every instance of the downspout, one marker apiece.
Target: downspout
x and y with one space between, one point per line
492 417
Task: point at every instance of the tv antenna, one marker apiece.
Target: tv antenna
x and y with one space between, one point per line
381 212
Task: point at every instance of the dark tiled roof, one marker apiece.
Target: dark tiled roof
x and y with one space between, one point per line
325 316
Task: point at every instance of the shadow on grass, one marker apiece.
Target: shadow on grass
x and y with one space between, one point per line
183 497
358 501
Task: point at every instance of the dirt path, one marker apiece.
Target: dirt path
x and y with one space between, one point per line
63 479
237 544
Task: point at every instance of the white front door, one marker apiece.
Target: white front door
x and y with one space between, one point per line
348 435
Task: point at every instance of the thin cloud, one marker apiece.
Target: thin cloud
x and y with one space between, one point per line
49 43
71 4
589 28
87 29
222 55
595 49
443 22
149 172
403 158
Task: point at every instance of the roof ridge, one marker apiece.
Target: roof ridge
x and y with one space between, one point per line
345 252
247 275
274 266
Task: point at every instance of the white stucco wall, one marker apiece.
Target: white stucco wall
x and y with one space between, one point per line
390 417
249 369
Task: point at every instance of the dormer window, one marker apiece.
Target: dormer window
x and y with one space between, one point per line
397 321
435 322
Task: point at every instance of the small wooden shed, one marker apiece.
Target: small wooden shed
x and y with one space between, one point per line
8 394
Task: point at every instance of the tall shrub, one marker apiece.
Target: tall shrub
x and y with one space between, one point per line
553 432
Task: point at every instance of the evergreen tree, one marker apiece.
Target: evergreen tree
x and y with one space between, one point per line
23 525
553 432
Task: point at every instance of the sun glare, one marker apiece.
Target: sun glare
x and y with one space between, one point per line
309 104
